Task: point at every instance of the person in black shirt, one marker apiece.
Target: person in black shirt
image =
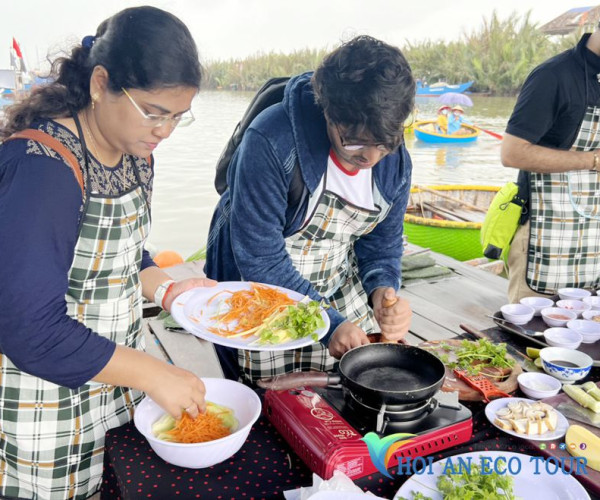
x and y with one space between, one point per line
553 137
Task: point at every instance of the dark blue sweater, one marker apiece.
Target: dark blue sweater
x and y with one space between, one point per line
40 205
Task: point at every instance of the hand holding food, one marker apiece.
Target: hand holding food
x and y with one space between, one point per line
216 422
176 390
182 286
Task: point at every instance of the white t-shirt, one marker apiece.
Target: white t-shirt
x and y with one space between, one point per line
354 187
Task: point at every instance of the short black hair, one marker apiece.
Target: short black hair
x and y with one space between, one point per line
367 86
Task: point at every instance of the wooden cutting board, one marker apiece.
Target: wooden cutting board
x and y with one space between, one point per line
465 392
591 480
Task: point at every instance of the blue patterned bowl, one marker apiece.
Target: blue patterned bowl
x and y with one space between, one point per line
567 365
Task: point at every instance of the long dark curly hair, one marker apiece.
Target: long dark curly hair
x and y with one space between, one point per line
140 47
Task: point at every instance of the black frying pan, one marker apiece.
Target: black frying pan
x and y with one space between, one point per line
376 374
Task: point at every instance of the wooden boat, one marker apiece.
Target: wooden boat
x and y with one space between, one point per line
441 88
447 219
425 131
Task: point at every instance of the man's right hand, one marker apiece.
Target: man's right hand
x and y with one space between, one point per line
346 337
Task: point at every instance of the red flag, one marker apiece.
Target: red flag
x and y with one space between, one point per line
17 48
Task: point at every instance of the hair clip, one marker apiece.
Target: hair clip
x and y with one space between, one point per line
88 41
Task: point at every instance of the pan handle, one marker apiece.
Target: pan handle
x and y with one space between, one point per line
389 303
298 379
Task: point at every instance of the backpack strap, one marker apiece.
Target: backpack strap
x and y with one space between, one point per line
52 143
270 93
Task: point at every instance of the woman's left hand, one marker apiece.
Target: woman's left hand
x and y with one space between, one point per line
393 320
183 286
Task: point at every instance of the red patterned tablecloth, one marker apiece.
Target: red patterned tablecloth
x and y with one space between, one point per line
264 468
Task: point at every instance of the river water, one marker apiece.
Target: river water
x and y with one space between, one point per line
184 196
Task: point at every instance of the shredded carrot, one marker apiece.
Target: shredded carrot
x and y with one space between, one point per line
216 295
248 310
205 427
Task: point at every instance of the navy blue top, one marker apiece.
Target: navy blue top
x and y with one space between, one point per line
253 218
40 203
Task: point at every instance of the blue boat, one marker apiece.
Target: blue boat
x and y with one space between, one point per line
441 88
425 131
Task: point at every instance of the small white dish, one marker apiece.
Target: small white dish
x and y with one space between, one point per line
567 365
519 314
589 329
563 337
591 314
592 300
538 303
573 293
538 385
556 316
577 306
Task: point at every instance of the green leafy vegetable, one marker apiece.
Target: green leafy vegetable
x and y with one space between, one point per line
475 356
460 483
294 322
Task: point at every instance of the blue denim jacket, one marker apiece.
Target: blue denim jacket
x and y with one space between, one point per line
252 219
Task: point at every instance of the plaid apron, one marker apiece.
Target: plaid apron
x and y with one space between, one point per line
323 252
52 437
564 241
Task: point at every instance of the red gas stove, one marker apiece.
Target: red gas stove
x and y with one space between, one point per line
325 426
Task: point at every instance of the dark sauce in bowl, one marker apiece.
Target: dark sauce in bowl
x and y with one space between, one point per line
565 364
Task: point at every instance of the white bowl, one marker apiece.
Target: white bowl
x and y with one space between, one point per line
591 314
538 385
241 399
538 303
556 316
573 293
563 337
589 330
592 300
577 306
518 314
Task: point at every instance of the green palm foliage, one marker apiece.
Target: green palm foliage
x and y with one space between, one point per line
498 56
250 73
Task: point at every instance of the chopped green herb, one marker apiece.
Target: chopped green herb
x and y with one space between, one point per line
464 484
294 322
475 356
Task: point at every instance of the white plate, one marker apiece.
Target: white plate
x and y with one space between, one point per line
526 485
561 425
193 313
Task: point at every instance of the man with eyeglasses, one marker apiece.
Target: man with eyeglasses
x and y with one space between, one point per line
340 132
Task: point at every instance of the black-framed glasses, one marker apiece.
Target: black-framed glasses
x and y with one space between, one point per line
154 121
359 147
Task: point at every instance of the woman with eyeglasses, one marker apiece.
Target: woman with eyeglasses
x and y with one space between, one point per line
76 173
339 131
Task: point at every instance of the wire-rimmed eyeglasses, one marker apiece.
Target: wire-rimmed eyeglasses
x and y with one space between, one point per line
154 121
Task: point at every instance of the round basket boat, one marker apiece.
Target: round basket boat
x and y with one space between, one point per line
442 218
425 131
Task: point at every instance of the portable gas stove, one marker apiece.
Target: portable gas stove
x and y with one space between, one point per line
324 427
